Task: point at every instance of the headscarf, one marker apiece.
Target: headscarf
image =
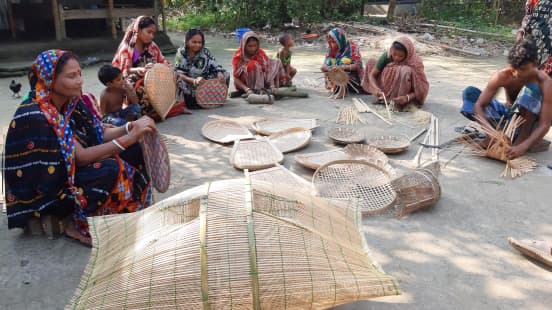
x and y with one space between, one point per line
42 80
123 58
240 59
419 80
347 51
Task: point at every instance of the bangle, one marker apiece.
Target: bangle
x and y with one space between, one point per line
128 127
118 144
247 89
407 98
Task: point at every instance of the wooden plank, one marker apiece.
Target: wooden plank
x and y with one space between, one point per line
104 13
57 21
111 19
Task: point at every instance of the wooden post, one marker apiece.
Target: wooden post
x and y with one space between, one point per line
155 11
57 21
11 20
164 24
111 19
391 10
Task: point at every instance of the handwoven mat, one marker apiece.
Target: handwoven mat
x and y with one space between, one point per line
160 88
268 127
345 135
255 154
157 161
358 181
223 131
390 144
291 139
211 94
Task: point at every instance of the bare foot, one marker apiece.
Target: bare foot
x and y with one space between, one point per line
75 235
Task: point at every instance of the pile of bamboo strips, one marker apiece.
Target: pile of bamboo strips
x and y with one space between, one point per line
349 116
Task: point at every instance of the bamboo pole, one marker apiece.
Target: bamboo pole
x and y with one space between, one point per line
111 19
57 20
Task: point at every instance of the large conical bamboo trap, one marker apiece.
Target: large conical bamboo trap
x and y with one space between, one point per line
416 189
501 137
231 245
340 81
160 88
361 182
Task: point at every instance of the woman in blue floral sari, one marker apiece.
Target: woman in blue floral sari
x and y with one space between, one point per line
61 161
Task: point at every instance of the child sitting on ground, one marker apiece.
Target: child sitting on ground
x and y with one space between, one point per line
284 54
118 93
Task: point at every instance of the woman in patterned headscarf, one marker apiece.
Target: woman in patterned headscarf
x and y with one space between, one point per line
536 25
398 74
61 161
342 53
136 54
253 69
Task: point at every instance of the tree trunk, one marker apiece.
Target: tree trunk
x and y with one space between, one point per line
391 10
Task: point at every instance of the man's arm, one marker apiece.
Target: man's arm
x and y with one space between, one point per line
545 119
486 96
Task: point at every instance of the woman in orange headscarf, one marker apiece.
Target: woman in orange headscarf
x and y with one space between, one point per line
398 75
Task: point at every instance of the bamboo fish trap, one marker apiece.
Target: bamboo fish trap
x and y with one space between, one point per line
231 245
341 81
501 137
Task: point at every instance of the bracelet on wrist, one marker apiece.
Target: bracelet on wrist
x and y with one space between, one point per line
407 98
118 144
128 127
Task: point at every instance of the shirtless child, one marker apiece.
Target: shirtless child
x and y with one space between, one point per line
527 90
118 93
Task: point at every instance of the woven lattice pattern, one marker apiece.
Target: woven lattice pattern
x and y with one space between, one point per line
212 93
416 190
268 127
255 154
291 139
357 181
345 135
156 158
222 131
231 245
279 175
160 88
390 144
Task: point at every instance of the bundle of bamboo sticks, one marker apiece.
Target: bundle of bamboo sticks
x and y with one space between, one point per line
349 116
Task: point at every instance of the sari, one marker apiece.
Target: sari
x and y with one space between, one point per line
128 57
536 24
258 71
203 64
346 53
400 79
40 168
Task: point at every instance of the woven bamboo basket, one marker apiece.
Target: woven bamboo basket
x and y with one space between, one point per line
255 154
211 94
291 139
231 245
315 160
160 89
363 151
345 135
341 81
279 175
268 127
357 181
390 144
417 189
223 131
538 250
156 158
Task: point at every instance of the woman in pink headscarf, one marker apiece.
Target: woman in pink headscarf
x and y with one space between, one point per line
398 75
136 54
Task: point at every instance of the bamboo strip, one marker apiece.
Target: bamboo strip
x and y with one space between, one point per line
376 113
252 243
204 202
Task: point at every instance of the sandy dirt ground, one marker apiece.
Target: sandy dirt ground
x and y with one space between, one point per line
454 255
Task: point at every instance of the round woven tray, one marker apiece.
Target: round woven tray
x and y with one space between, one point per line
211 94
533 249
268 127
345 135
315 160
291 139
361 183
156 158
390 144
224 132
160 89
255 154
